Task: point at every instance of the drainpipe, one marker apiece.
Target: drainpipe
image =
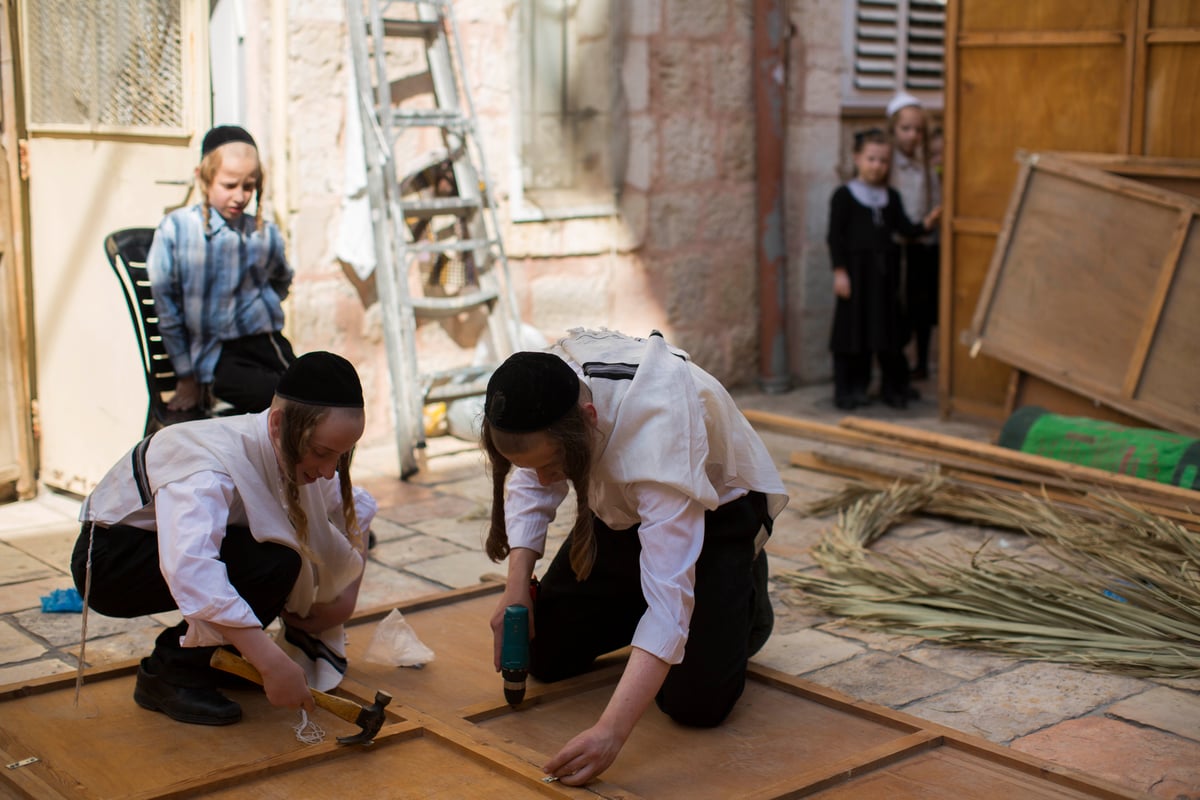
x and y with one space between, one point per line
770 77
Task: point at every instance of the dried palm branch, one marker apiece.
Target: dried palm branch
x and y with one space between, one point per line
1117 590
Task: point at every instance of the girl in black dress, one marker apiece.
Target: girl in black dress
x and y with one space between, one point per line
868 319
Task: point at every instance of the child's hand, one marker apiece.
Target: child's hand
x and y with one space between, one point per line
841 283
932 218
187 395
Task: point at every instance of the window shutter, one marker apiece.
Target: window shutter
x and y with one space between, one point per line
925 47
895 45
877 39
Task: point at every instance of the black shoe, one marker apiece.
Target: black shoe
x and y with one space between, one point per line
184 703
845 403
370 540
764 614
895 401
911 393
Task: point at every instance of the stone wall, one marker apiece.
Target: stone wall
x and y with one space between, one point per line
679 256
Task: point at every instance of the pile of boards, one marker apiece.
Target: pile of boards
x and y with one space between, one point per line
916 453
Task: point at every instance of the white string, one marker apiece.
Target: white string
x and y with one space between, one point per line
87 591
308 731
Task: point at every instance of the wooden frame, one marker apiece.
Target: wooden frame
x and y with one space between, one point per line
450 733
1093 286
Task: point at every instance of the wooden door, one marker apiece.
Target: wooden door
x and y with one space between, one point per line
16 428
1095 76
116 95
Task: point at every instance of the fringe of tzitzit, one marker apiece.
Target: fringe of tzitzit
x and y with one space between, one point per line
87 590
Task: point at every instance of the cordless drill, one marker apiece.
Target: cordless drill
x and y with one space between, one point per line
514 653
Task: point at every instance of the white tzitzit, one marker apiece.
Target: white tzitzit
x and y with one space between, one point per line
308 731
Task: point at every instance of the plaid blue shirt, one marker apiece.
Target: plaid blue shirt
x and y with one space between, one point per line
210 288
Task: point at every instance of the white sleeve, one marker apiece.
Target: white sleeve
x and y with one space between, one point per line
192 515
529 508
672 534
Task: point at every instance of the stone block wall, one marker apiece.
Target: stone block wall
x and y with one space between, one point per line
678 256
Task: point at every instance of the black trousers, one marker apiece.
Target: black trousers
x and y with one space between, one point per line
852 374
127 582
921 296
577 621
249 369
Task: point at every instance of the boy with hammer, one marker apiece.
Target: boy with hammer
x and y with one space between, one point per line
236 521
675 496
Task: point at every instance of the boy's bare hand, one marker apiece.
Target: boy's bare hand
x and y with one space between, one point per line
187 395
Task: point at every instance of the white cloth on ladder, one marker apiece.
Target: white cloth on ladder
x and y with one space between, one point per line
355 238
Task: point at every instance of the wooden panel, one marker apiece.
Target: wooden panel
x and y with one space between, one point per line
981 380
1172 374
422 765
1030 390
945 774
1066 236
1044 15
1175 14
1172 103
775 731
1091 287
451 734
1004 111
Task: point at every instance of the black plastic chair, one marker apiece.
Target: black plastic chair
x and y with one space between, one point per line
127 250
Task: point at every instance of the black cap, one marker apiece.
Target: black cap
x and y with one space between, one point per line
530 392
224 134
321 379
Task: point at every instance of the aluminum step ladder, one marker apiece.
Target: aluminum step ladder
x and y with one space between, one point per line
435 221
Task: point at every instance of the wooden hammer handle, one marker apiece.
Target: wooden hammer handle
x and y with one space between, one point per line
222 659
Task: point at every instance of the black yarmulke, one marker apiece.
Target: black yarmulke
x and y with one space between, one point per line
321 379
530 392
224 134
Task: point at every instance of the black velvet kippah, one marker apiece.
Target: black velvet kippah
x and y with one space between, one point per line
321 379
530 392
224 134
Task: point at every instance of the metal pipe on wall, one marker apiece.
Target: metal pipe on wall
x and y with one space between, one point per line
771 33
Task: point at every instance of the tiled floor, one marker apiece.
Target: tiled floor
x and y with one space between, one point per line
1139 734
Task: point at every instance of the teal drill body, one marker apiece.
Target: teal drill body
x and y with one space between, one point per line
514 653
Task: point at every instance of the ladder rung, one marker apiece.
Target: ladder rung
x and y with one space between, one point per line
439 307
424 209
433 117
446 392
410 28
452 246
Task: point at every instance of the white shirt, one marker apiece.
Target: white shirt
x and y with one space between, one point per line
191 515
193 499
670 444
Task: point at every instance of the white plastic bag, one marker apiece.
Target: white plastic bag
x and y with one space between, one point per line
396 644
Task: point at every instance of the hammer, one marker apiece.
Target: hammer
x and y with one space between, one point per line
369 718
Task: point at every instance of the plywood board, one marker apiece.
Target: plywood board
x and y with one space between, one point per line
450 734
1093 286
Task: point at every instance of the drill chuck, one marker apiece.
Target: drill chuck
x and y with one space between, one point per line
514 653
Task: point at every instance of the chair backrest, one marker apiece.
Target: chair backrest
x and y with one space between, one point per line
127 250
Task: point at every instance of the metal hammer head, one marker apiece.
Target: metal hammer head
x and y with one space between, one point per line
370 719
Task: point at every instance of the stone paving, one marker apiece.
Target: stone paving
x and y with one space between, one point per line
1143 735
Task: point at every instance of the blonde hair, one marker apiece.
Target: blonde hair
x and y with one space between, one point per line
299 422
924 153
208 170
573 434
